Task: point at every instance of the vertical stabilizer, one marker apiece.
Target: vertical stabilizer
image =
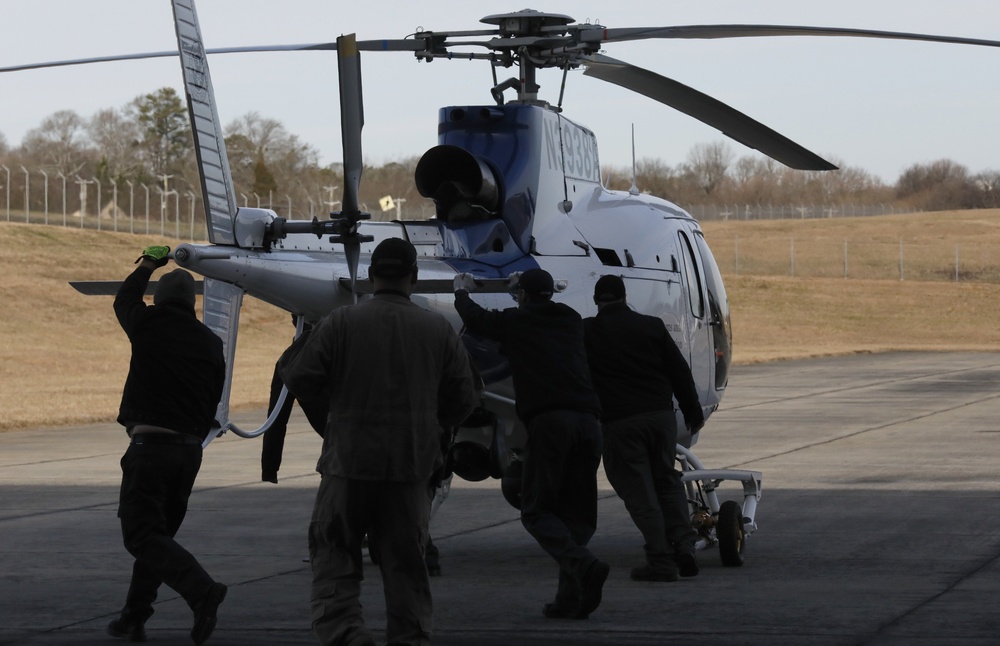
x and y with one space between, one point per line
222 314
216 180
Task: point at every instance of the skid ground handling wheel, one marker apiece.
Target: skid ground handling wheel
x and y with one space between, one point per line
729 533
727 524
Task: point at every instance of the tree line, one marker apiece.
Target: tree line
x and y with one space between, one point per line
148 143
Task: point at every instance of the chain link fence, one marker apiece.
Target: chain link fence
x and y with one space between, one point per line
828 257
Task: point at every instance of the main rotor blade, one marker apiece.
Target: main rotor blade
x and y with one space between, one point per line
731 122
408 45
352 119
749 31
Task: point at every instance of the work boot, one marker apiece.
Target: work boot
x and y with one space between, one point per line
205 613
592 586
129 626
361 639
687 564
648 573
556 611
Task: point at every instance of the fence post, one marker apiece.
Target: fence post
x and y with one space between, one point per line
98 182
845 257
27 192
791 257
192 197
147 208
736 243
63 197
131 206
956 263
114 205
7 190
901 259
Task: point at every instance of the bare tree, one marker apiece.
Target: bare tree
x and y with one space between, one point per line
116 138
58 144
940 185
708 163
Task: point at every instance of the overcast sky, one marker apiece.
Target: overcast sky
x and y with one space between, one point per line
878 105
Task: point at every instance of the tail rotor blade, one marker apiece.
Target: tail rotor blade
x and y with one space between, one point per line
352 119
352 249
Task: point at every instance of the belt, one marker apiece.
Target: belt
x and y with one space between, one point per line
165 438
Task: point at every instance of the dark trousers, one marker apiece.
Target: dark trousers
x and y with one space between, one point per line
156 483
395 515
559 492
274 438
639 453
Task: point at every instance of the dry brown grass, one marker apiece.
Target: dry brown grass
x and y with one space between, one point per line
63 357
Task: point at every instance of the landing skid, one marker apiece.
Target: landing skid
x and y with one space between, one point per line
727 524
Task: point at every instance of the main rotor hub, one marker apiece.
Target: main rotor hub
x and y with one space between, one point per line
528 22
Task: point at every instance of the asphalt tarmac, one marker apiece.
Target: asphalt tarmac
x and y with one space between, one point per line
879 524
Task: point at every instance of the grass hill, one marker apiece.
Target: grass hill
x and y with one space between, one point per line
63 357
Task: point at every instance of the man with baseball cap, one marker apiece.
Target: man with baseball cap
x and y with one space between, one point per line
543 342
637 370
396 376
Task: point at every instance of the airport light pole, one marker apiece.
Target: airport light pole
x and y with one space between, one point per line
82 183
331 202
163 202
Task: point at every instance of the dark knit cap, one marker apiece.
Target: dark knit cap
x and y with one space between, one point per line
609 289
393 258
177 285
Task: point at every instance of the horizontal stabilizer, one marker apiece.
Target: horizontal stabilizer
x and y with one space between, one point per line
110 287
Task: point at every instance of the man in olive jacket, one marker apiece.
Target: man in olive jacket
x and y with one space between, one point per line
396 376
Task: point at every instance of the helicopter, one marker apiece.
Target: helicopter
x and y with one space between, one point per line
516 185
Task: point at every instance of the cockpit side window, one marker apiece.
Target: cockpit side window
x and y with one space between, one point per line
719 312
693 276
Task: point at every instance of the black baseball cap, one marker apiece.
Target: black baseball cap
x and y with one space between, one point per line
393 258
609 288
536 282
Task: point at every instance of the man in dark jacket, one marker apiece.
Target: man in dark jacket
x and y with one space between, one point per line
168 407
543 342
273 445
637 369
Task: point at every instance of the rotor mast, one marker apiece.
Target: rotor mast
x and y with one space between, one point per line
522 34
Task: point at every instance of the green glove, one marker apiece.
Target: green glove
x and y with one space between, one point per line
157 254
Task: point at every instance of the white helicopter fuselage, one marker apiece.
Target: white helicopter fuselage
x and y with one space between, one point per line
521 189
